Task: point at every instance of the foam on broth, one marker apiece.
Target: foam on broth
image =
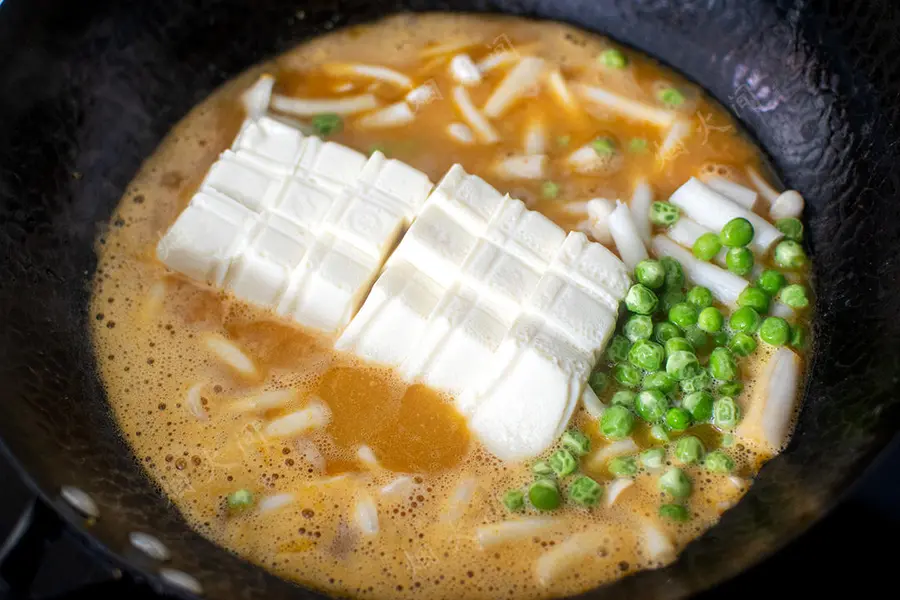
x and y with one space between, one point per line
148 325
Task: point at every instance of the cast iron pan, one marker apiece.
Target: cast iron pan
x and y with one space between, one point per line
87 90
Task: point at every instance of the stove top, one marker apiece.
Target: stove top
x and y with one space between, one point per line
845 551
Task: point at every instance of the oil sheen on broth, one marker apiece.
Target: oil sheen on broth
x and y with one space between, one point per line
187 417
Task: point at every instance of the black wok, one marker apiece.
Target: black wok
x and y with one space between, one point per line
88 89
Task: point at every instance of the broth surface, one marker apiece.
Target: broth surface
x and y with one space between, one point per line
149 323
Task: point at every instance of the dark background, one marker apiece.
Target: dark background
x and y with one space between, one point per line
853 549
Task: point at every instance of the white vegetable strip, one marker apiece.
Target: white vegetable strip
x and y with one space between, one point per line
626 107
256 98
626 235
518 82
400 486
592 404
769 418
461 133
510 531
713 210
309 107
448 47
459 500
560 91
576 208
423 94
342 87
788 204
535 137
497 59
617 448
673 143
780 309
562 557
273 503
153 303
464 70
395 115
686 231
659 546
366 456
314 416
376 72
477 121
308 450
264 401
586 161
194 402
230 354
599 210
724 285
734 191
521 167
365 514
762 186
641 199
615 489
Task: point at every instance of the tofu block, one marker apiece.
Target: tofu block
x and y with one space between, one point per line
470 200
393 318
331 166
206 237
304 203
277 144
367 220
243 182
502 279
526 234
593 268
397 181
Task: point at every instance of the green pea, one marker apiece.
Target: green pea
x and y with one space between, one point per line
789 255
720 338
678 419
544 495
700 405
641 300
745 319
736 233
647 355
550 189
775 331
755 298
718 462
623 466
650 273
689 449
683 365
576 442
664 331
659 381
707 246
697 384
742 344
624 398
669 299
541 469
739 261
616 422
604 146
700 296
664 214
674 512
637 145
674 272
563 463
597 382
799 334
618 348
697 337
650 405
658 432
514 500
794 296
628 375
638 327
732 389
770 281
726 413
671 97
653 458
676 483
678 344
722 365
240 499
327 123
613 58
585 491
791 228
710 319
683 314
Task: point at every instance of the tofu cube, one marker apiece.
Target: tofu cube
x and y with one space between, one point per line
240 181
470 200
593 268
272 141
366 220
304 203
527 234
331 166
502 279
402 184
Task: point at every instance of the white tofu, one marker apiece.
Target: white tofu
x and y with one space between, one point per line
593 268
455 350
304 203
536 381
261 274
436 244
243 182
206 237
332 166
327 289
366 220
468 198
393 318
502 279
582 320
403 184
526 234
271 140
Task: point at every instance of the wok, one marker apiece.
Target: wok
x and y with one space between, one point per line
90 88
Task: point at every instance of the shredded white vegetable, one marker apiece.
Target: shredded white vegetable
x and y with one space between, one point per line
519 82
521 167
769 418
450 47
674 143
562 557
615 489
560 92
256 98
780 309
401 486
395 115
314 416
273 503
685 231
229 353
762 186
576 208
344 86
599 457
310 453
625 233
459 500
591 403
599 210
724 285
535 141
464 70
365 514
625 107
377 72
787 205
194 402
586 161
473 117
154 301
659 546
734 191
366 456
496 60
425 93
510 531
461 133
264 401
309 107
641 199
